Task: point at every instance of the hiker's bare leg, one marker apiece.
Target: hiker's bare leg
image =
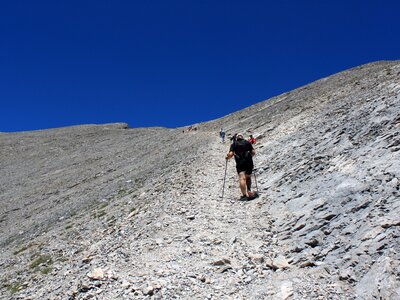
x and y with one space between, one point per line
248 181
242 183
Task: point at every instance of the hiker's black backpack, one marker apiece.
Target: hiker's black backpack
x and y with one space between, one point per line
242 150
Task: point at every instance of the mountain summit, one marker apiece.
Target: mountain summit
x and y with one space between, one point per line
109 212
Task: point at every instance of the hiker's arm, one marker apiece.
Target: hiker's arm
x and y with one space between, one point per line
253 152
229 155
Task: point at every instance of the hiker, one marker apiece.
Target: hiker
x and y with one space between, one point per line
222 135
243 152
252 139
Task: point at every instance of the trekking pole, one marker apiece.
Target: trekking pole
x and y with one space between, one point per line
223 186
255 179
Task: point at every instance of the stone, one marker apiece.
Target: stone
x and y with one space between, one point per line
347 275
307 264
388 222
204 278
380 281
148 290
96 274
87 259
373 233
223 269
257 258
286 290
221 262
349 186
279 262
126 284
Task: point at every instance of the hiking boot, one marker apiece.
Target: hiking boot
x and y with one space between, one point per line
243 198
252 196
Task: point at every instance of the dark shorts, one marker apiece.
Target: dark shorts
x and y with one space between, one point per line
247 168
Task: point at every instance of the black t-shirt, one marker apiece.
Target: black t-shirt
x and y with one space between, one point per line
242 150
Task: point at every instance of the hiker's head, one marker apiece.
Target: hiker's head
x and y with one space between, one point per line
251 135
239 137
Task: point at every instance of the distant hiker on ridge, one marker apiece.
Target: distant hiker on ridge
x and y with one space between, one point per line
222 135
252 139
243 152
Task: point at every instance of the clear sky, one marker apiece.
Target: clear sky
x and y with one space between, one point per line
173 63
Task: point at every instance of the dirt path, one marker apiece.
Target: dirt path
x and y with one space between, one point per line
206 246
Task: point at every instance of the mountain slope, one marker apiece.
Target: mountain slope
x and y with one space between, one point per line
107 212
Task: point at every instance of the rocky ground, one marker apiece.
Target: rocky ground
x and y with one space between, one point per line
107 212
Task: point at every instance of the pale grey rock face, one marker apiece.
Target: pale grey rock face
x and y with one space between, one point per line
108 212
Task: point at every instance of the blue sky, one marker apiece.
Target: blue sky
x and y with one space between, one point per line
174 63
